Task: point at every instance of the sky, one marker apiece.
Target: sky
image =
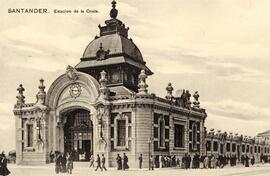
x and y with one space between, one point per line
220 48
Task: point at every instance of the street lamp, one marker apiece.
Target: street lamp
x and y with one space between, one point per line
149 145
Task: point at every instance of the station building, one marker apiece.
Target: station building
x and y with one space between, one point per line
102 106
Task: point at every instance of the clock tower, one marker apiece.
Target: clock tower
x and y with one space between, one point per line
115 53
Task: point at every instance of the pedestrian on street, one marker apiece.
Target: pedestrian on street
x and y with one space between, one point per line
98 163
252 160
140 161
125 162
119 162
152 163
92 161
69 163
63 163
58 163
103 160
3 165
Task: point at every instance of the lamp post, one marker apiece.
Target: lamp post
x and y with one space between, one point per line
149 145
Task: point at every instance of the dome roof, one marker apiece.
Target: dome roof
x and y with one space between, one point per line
115 45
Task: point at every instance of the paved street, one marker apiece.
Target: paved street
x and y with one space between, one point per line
81 169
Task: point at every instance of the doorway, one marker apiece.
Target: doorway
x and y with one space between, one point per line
78 134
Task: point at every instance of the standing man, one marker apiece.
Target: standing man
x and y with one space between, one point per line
152 163
103 160
140 161
119 162
58 163
98 163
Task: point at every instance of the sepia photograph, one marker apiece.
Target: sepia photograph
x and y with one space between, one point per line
120 87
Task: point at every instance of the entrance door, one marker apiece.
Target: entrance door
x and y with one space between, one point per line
78 132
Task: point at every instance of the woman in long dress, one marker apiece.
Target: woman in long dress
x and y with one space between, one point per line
3 165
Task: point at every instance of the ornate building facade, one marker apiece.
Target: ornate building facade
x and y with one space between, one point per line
102 106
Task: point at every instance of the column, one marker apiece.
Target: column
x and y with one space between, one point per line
202 141
187 136
19 141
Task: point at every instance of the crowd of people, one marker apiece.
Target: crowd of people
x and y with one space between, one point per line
210 161
64 161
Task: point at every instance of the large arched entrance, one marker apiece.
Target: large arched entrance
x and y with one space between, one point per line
78 134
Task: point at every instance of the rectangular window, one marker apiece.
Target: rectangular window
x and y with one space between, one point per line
167 133
121 132
243 148
29 135
198 126
129 131
178 135
113 117
208 145
215 146
167 146
167 120
161 133
156 117
156 145
255 149
198 137
228 147
155 132
233 147
112 132
112 145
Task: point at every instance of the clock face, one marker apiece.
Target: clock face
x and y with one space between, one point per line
115 77
75 90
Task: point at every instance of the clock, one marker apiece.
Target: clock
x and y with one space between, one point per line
75 90
115 77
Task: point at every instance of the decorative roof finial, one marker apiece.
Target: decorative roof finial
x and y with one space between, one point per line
196 103
20 97
114 11
104 90
142 83
41 95
169 90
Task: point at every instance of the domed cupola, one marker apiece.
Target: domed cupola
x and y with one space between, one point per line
115 53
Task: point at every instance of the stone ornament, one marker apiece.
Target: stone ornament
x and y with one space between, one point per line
20 97
196 102
169 90
71 73
41 95
101 53
114 11
104 90
142 83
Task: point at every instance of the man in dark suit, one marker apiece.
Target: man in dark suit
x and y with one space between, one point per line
103 160
140 161
98 163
